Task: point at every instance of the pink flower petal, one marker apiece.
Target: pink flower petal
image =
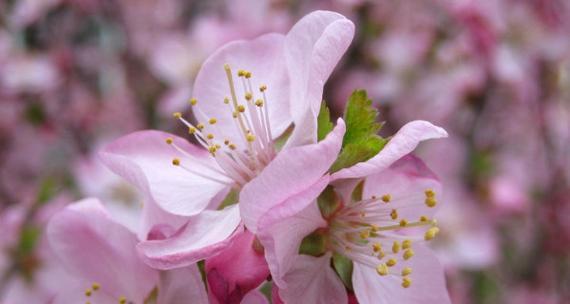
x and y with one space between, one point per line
205 235
405 181
178 286
96 249
313 48
428 282
254 297
313 281
291 172
281 238
263 57
144 159
402 143
227 280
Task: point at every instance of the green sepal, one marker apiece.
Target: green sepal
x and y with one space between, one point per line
343 267
231 199
356 194
314 244
324 123
202 268
328 202
152 296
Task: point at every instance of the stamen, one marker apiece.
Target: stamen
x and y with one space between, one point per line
431 233
382 269
409 253
406 282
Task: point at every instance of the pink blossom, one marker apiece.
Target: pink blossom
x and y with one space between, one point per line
190 180
281 219
100 254
240 268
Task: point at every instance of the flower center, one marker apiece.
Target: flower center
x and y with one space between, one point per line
92 291
373 233
239 161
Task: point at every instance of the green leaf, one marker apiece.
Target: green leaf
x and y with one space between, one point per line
343 267
360 118
324 123
359 151
314 244
360 142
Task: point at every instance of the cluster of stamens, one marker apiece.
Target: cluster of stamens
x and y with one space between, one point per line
94 288
242 160
362 232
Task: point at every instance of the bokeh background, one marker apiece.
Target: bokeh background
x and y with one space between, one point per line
75 74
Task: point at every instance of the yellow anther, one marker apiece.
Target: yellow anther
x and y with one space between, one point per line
88 292
406 282
386 198
423 218
95 286
232 146
212 149
391 262
374 228
406 271
408 254
248 96
394 214
169 140
396 247
250 137
247 74
259 103
212 121
382 269
377 247
177 115
122 300
381 254
431 233
263 88
240 73
431 202
210 136
234 114
241 108
430 193
406 244
193 101
403 223
226 142
191 130
226 100
200 126
176 162
364 234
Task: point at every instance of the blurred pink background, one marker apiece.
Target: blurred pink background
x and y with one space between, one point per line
75 74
